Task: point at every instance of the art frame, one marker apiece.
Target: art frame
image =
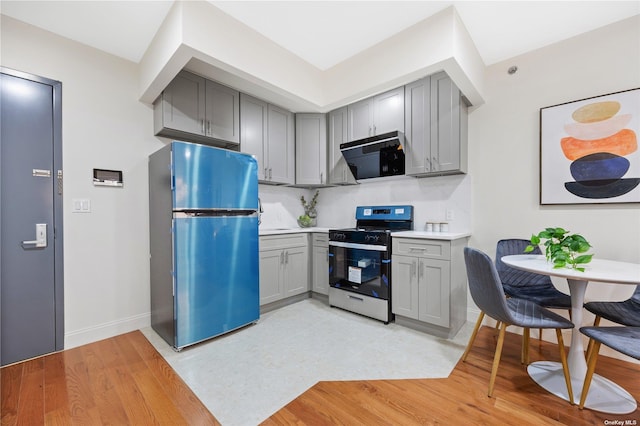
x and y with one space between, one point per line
589 150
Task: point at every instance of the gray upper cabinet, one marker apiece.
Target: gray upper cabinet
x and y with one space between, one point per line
435 127
281 146
380 114
417 149
311 149
360 124
267 132
253 131
222 112
195 109
339 173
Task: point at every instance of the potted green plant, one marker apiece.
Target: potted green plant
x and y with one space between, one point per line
563 249
309 217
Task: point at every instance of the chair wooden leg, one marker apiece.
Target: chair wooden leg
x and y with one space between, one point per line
540 334
591 368
496 358
524 355
596 322
565 366
473 336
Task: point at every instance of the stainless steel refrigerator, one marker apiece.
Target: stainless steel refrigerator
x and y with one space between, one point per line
203 221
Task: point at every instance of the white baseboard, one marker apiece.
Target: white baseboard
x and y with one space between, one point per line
86 335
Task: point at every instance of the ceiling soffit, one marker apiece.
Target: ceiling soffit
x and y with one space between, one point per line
200 37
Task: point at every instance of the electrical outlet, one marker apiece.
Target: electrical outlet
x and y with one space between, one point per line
449 214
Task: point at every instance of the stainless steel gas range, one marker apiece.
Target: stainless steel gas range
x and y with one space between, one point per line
360 260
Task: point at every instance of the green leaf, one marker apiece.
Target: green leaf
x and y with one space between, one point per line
585 258
535 240
529 249
583 247
559 263
546 234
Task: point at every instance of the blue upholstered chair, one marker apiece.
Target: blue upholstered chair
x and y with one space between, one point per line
626 312
487 293
625 340
528 285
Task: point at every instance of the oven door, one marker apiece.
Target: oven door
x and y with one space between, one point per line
360 268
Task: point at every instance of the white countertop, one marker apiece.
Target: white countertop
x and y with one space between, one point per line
276 231
449 236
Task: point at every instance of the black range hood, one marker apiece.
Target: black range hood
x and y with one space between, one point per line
375 156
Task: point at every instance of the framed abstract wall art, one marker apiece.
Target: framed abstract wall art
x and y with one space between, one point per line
589 150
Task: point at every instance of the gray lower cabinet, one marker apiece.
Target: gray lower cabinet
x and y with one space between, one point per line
284 266
267 132
435 127
320 263
195 109
429 287
311 149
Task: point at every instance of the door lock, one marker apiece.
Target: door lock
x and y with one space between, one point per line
41 237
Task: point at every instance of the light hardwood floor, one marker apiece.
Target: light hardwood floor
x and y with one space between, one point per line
124 380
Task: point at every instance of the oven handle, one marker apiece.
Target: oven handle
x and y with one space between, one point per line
371 247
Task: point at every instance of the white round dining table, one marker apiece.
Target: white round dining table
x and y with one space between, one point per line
604 395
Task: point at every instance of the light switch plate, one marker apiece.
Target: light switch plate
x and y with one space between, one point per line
81 205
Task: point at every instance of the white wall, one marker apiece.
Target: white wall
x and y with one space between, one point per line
106 252
504 146
431 197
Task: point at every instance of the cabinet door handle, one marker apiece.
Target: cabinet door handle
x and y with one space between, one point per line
281 257
202 123
369 130
286 257
436 165
266 175
270 173
420 270
321 177
374 130
209 127
413 269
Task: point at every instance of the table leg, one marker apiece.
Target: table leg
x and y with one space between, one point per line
575 358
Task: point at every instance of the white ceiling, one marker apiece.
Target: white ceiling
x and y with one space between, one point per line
325 33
